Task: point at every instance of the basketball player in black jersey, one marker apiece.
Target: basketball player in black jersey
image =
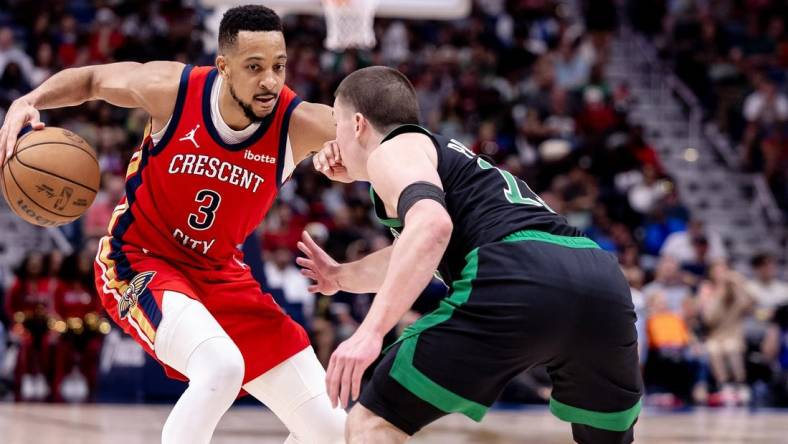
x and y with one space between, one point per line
526 287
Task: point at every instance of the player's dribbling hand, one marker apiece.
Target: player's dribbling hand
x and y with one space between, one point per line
348 363
329 162
19 114
318 266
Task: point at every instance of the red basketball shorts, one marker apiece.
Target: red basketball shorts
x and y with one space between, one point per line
131 284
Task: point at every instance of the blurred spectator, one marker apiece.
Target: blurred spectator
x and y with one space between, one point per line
97 218
281 273
765 109
629 258
11 53
394 46
680 245
486 141
31 305
766 113
669 283
671 366
13 84
323 333
78 309
775 352
643 151
678 213
144 25
342 234
579 192
644 196
658 226
601 18
634 275
105 37
349 309
552 124
699 265
71 49
572 67
282 226
45 65
724 303
766 289
596 116
54 263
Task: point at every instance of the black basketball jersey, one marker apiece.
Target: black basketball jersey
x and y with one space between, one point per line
485 203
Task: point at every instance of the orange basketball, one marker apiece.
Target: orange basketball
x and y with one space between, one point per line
52 178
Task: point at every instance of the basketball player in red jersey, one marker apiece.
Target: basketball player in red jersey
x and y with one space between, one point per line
221 140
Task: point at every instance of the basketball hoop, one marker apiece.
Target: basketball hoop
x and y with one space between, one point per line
349 23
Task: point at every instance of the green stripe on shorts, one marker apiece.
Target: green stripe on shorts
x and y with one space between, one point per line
615 421
403 370
565 241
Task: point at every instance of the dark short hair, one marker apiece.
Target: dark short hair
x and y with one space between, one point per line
383 95
246 18
700 240
759 260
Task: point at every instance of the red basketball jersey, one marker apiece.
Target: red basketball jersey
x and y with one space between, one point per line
191 197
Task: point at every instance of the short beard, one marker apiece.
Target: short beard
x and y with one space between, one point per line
246 107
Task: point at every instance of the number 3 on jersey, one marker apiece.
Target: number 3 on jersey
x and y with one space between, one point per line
209 201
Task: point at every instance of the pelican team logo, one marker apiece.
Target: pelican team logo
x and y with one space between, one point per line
136 287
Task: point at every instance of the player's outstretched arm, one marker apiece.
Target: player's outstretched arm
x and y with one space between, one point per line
362 276
414 258
152 86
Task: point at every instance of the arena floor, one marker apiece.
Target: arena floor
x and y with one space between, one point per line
124 424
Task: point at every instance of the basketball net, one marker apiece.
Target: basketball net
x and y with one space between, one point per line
349 23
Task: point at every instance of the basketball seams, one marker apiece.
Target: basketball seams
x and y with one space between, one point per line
91 153
39 174
54 175
11 171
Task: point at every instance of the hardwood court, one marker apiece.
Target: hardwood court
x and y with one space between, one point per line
133 424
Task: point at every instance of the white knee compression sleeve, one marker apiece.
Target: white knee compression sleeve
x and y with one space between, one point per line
191 341
185 323
295 391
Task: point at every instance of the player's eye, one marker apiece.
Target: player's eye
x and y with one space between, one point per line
279 67
254 67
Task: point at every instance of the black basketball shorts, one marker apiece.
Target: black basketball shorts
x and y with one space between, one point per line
532 298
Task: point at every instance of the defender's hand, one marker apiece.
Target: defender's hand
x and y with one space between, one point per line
318 266
19 114
329 162
347 366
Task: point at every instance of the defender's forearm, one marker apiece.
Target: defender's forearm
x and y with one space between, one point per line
365 275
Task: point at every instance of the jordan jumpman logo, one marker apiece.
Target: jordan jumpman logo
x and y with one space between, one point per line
190 136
